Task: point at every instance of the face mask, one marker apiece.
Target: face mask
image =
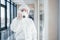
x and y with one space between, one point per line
24 14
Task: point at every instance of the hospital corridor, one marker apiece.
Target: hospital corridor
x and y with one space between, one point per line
29 19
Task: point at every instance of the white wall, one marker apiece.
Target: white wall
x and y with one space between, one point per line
50 20
22 1
53 15
59 23
46 20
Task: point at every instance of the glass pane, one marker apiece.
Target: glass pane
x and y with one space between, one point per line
11 12
8 0
41 11
8 14
3 2
14 11
2 17
31 14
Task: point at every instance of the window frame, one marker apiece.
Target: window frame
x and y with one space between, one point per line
14 14
4 6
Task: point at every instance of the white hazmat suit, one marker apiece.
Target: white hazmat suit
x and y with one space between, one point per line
24 28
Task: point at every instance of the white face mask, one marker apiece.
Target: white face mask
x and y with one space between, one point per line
24 14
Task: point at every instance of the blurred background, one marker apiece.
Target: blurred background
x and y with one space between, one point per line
44 13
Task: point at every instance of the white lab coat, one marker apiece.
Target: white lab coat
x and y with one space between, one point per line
24 29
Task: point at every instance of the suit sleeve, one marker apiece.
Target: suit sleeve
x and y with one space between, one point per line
13 25
34 31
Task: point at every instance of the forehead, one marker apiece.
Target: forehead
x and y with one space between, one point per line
24 9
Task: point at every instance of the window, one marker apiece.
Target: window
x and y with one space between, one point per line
3 14
11 12
8 14
3 2
15 11
8 0
7 11
2 17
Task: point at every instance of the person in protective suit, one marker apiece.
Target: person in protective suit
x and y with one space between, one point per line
24 27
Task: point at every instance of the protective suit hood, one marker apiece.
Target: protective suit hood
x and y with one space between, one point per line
24 10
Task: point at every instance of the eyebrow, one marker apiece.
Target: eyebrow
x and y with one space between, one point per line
24 10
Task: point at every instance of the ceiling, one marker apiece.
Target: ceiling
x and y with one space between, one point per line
24 1
27 1
18 2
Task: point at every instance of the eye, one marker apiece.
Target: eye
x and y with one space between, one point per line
22 10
